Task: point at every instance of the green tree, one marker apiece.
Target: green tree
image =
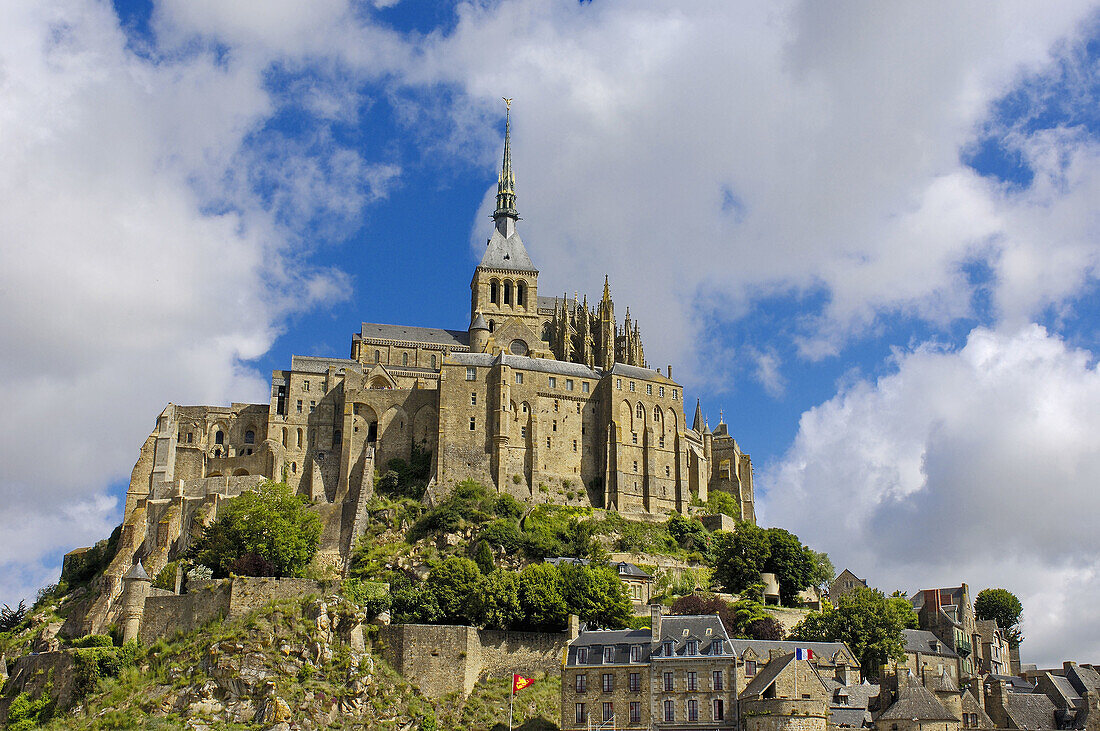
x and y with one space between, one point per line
740 556
483 557
868 621
454 584
539 586
412 601
497 604
723 502
270 522
688 533
1004 607
823 572
794 565
597 595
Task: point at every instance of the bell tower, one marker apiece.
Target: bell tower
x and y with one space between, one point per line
505 283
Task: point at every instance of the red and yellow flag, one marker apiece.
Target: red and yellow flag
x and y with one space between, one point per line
519 682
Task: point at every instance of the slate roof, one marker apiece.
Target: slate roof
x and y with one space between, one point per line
762 648
1030 710
1083 678
506 253
681 628
315 364
1065 687
646 374
849 717
915 701
620 639
549 365
944 683
479 323
919 640
408 333
137 571
859 696
1015 684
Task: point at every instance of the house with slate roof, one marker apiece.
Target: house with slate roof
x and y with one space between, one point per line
1014 703
924 651
949 614
845 583
787 694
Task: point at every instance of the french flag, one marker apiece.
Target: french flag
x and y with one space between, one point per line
803 653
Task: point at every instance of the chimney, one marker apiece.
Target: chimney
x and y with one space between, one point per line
655 612
574 627
670 372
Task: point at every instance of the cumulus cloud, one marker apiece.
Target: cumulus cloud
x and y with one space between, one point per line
978 464
133 270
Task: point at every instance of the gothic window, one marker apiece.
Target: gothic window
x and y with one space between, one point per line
521 294
404 359
250 437
433 361
494 296
640 412
219 437
284 436
298 441
507 293
492 325
656 413
377 356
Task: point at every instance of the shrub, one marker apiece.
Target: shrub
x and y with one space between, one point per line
271 522
94 641
25 714
166 578
502 533
372 596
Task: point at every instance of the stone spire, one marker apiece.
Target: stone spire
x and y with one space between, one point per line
697 424
506 181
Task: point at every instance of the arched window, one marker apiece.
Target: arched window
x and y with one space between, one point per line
250 437
294 467
521 294
219 437
640 412
377 357
656 413
336 436
494 295
298 443
284 436
433 361
404 359
492 325
507 293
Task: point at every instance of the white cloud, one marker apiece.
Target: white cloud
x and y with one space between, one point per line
134 270
838 133
976 465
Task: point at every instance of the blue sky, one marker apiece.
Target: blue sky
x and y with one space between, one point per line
866 235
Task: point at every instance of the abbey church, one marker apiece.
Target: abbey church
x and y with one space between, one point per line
545 398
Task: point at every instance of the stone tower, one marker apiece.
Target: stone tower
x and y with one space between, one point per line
505 283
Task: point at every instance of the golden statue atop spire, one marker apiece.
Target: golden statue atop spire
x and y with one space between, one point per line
507 102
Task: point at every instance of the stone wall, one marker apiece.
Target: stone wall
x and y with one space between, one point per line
165 615
444 659
228 598
32 673
783 715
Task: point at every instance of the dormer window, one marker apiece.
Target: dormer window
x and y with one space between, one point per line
582 655
692 647
716 647
667 650
609 654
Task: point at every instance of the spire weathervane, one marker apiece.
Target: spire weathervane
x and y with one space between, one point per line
506 181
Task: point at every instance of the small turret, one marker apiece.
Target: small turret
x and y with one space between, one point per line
479 334
135 587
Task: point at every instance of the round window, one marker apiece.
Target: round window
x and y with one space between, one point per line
518 347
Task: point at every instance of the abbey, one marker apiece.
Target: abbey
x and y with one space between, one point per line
549 399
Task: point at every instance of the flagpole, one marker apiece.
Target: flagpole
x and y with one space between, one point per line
511 698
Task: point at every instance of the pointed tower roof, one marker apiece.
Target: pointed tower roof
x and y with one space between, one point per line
479 322
697 423
506 181
505 249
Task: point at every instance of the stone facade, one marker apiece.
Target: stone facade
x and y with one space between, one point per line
548 399
445 659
